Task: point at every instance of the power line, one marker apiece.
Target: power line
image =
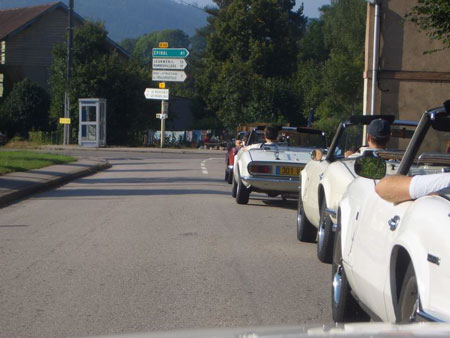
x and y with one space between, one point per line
191 5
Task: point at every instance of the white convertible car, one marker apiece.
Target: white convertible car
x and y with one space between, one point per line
392 261
274 168
324 180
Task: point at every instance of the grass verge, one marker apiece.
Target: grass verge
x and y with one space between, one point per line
11 161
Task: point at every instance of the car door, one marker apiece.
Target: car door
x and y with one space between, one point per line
377 224
311 177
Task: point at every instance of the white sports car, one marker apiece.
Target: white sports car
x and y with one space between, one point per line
392 261
274 168
324 180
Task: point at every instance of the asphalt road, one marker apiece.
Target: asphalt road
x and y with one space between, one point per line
154 243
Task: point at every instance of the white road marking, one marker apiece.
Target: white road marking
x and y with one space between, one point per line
203 164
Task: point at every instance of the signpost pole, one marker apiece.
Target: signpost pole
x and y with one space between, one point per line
69 64
163 124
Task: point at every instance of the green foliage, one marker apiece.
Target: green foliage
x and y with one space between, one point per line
25 108
433 16
144 45
99 72
11 161
128 44
245 74
331 61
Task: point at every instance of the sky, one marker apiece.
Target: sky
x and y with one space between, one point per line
311 6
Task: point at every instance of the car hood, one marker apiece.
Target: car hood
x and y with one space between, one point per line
347 330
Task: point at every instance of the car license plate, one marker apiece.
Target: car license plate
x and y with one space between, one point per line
288 171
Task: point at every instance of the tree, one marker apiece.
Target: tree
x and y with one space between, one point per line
331 62
100 72
24 109
129 44
433 16
249 60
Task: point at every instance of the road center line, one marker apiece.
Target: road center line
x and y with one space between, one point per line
203 164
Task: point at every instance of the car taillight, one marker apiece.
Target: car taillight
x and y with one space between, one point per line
260 169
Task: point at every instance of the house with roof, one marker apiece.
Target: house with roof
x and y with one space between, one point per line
27 37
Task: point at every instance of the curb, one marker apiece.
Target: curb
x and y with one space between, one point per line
36 187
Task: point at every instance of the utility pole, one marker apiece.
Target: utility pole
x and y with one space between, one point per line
69 64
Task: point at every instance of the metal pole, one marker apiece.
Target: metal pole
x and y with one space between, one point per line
69 64
163 124
376 38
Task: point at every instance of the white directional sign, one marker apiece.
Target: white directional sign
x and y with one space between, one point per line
156 94
169 75
162 116
175 64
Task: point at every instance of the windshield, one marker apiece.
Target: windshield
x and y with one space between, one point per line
433 155
353 135
298 139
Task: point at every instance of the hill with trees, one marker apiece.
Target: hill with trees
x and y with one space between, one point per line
131 18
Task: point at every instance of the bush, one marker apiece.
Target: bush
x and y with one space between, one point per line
24 109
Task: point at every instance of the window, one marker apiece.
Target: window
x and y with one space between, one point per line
1 84
3 53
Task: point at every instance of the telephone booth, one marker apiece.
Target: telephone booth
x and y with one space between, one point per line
92 129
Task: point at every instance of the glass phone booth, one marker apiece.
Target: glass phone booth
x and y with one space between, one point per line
92 129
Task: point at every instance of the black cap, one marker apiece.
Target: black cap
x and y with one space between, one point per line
379 128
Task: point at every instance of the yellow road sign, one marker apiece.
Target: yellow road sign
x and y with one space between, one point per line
64 120
162 85
163 45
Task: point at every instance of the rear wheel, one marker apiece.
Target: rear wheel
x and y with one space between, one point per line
242 192
325 238
233 188
306 232
230 176
344 307
409 297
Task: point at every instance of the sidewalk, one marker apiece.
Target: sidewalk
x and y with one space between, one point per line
17 185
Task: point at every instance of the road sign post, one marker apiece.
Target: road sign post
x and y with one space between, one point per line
164 106
167 65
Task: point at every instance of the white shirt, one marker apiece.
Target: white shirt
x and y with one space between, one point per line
258 145
422 185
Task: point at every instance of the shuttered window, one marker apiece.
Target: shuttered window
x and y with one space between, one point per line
3 53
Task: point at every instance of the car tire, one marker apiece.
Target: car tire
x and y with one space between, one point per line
344 307
325 238
242 192
409 297
230 176
233 188
306 232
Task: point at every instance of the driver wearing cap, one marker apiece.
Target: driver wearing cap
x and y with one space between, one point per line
378 134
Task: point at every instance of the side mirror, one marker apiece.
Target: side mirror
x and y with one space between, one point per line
370 167
316 154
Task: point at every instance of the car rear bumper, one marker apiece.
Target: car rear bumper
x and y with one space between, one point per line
272 184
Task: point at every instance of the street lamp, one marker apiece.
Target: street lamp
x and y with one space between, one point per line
69 64
376 39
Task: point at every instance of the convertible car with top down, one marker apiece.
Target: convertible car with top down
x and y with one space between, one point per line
274 168
391 261
325 178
